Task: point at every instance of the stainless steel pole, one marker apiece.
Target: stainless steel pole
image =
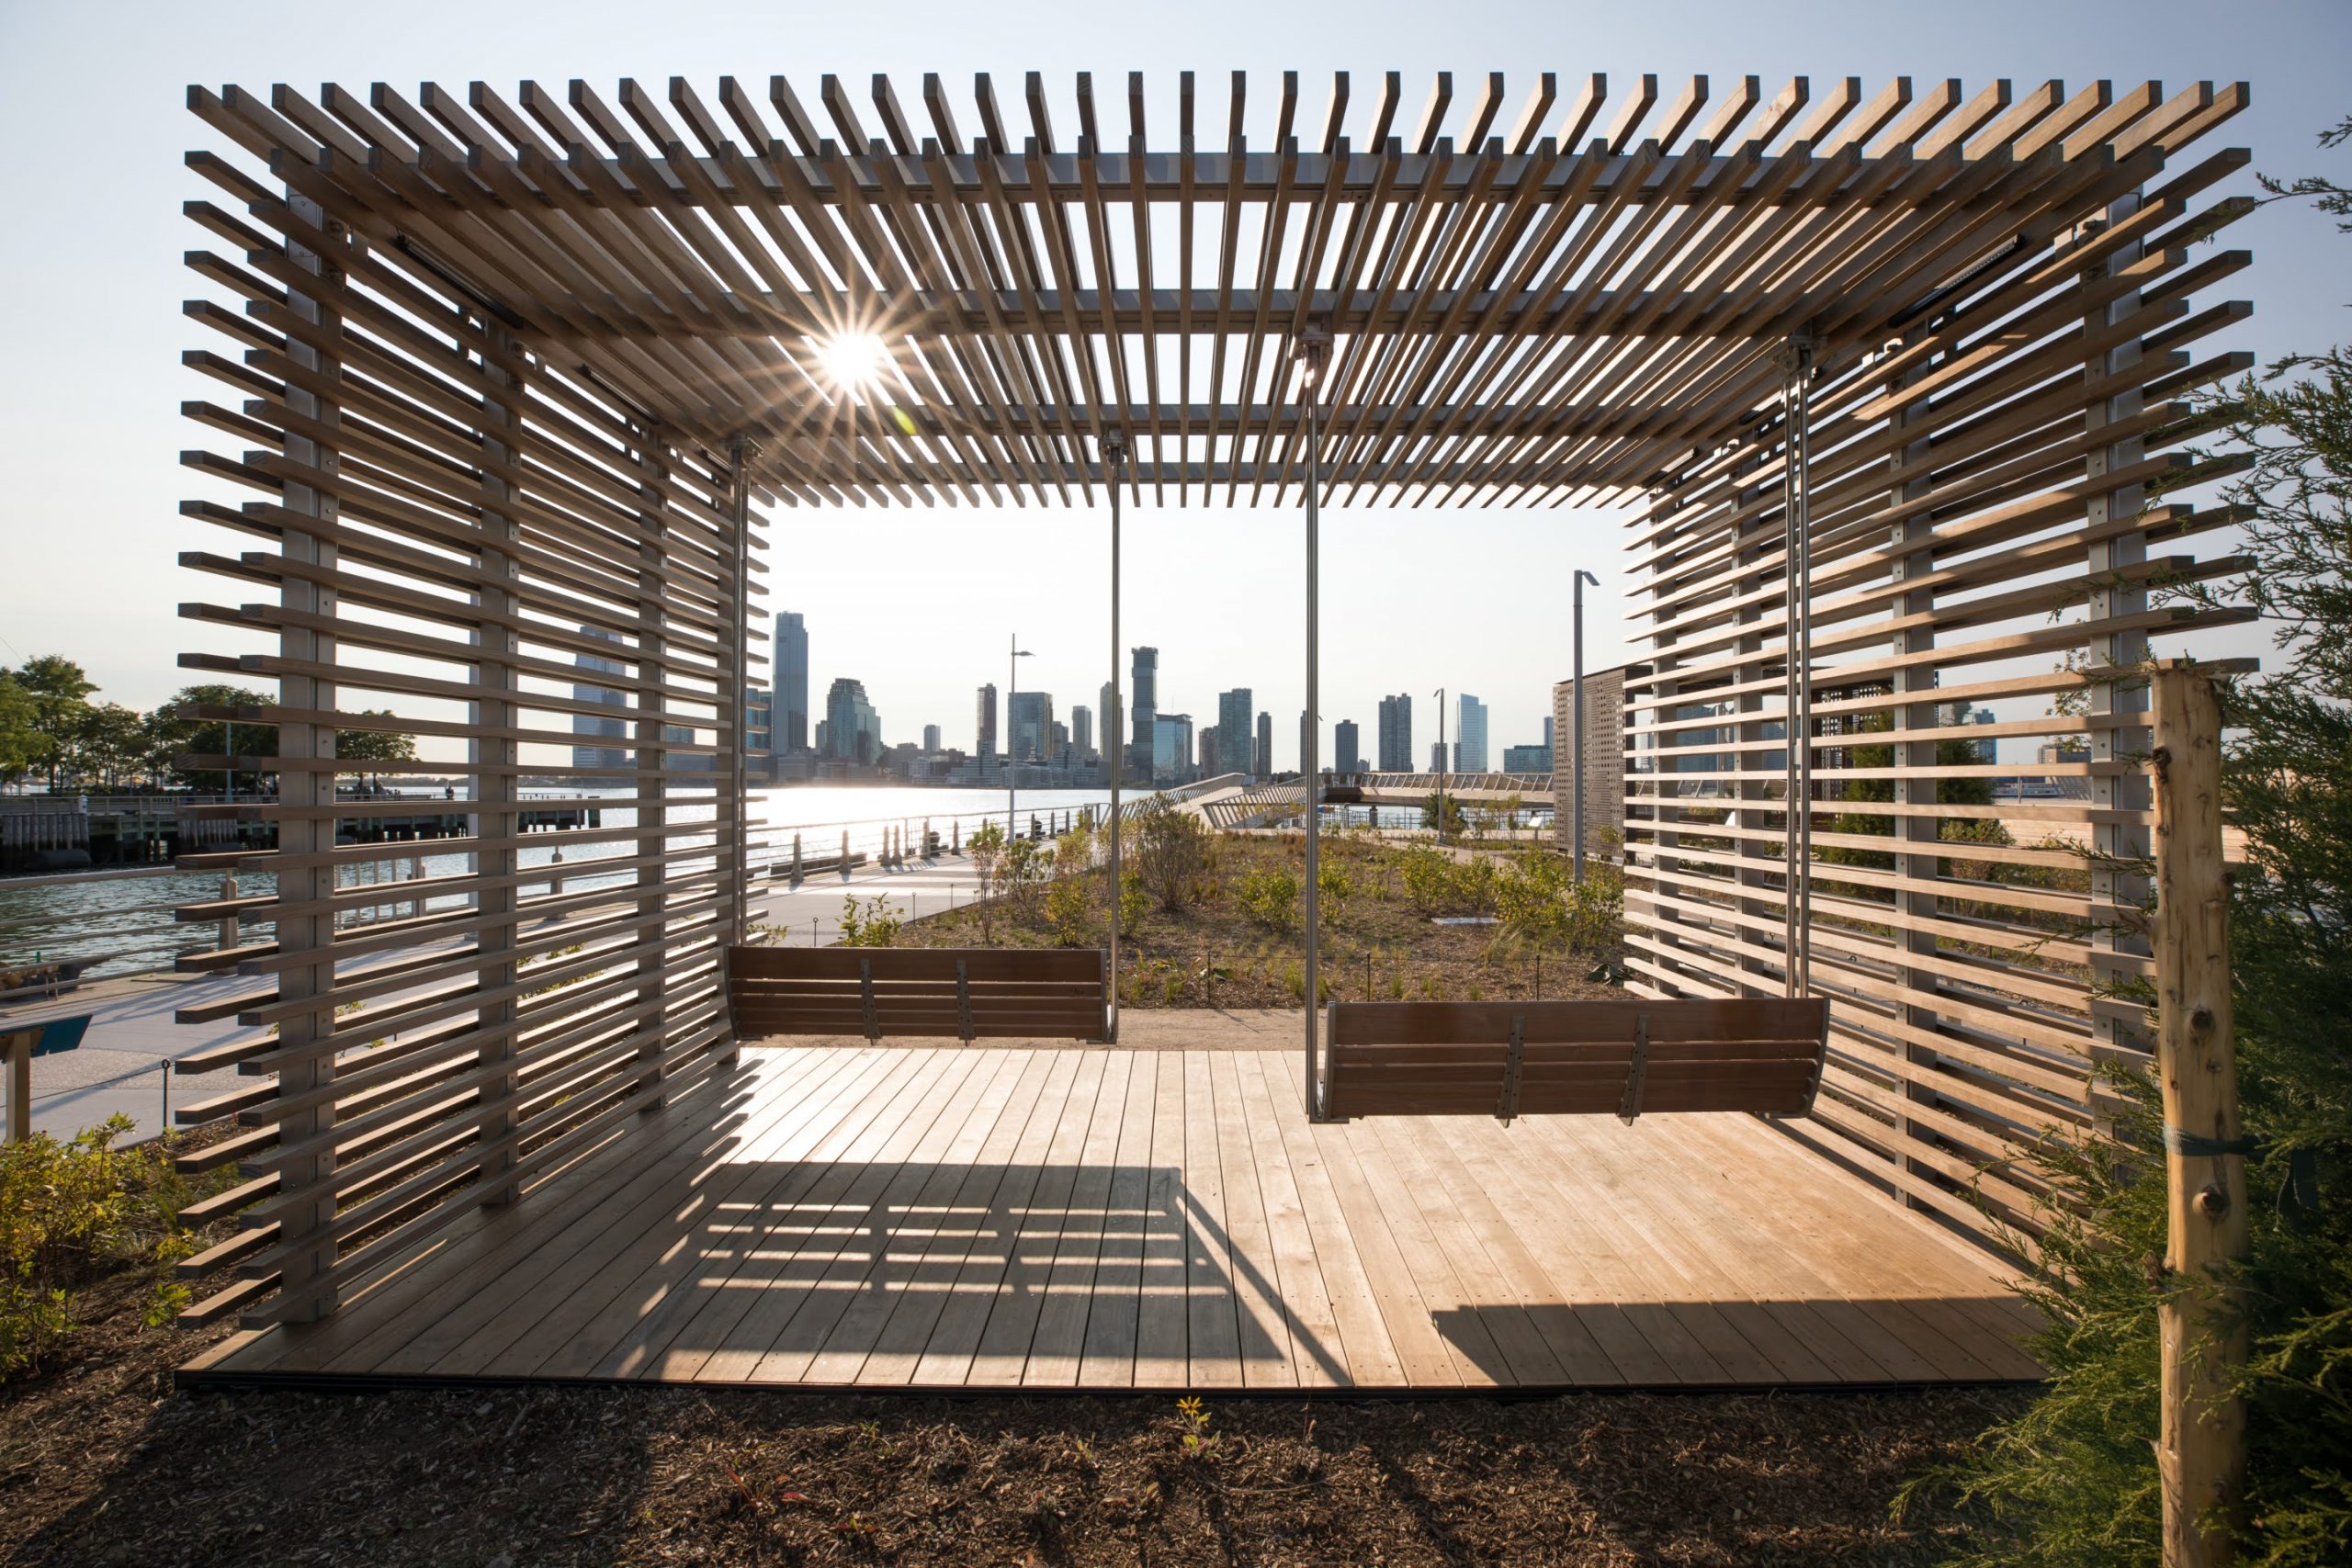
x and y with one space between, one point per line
1308 749
1797 703
1012 743
739 816
1114 456
1576 724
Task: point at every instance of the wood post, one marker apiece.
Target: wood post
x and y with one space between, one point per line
2201 1453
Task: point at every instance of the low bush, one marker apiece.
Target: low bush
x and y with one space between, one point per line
872 924
70 1211
1269 896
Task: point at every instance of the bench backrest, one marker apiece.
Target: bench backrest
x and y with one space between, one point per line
1506 1059
966 993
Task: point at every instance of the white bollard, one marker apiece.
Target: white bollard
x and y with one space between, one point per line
229 920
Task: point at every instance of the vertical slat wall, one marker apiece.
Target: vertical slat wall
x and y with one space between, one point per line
1983 534
432 523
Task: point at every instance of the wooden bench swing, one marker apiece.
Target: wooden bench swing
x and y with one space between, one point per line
962 993
1761 1054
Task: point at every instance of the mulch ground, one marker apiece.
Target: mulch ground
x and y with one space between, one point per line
101 1463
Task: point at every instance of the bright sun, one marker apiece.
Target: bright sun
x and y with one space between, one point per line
852 359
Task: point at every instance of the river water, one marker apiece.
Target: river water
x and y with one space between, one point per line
124 919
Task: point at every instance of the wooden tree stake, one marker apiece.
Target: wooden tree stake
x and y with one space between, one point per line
2202 1452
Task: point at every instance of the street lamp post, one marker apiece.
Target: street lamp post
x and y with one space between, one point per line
1441 767
1575 718
1011 742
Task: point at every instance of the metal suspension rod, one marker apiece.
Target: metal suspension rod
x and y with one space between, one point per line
1311 352
738 812
1797 564
1115 461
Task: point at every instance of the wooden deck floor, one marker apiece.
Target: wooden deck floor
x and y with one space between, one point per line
1113 1219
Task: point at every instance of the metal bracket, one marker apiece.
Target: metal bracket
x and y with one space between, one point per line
1638 1073
962 1003
1820 1062
1508 1106
866 997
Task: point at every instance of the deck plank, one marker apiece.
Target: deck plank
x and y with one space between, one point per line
1113 1307
1212 1307
1053 1265
1317 1357
808 1249
1163 1313
1030 1207
738 1265
1051 1216
1254 1278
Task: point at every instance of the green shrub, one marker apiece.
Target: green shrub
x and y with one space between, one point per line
1173 853
1428 875
1069 911
1269 896
70 1210
872 924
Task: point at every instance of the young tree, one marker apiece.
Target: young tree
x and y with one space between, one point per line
374 745
20 741
2073 1480
175 737
60 690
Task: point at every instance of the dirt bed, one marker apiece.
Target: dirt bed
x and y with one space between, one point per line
101 1463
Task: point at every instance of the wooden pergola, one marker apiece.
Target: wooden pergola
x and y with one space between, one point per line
1892 380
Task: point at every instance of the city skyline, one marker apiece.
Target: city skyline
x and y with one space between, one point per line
1243 732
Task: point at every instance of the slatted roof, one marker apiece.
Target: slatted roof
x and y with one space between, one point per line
1534 296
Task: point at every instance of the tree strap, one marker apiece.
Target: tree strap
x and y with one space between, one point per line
2197 1146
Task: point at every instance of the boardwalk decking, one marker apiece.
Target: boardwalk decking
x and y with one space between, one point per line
1097 1218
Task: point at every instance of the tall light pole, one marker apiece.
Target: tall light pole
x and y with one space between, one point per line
1312 347
1114 468
1441 767
1011 739
1575 720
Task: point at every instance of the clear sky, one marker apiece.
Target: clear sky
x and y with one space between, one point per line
919 604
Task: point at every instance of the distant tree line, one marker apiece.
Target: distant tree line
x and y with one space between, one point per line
54 733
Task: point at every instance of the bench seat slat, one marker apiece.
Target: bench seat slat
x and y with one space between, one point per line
1758 1055
1004 993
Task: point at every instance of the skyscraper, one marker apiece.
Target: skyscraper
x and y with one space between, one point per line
1548 741
1233 710
985 748
1081 728
1212 755
853 729
1171 748
1029 726
1109 710
1143 707
614 728
1470 730
791 682
931 738
1266 746
1396 738
1347 747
